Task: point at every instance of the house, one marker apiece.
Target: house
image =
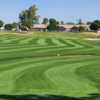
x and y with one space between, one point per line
62 27
40 27
72 27
65 27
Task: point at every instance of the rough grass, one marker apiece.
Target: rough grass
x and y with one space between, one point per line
49 63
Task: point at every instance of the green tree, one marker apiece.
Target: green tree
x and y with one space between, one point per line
89 23
70 23
15 25
28 17
1 23
53 25
95 25
45 21
8 27
80 21
62 22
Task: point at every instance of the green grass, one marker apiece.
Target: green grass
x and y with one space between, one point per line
49 63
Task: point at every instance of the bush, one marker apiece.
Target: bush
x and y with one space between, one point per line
81 29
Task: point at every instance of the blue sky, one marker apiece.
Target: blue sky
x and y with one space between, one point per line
67 10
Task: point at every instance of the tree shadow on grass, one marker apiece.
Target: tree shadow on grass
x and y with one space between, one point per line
48 97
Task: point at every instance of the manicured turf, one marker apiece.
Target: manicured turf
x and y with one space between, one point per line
49 63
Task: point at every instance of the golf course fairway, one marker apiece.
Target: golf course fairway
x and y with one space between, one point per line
49 64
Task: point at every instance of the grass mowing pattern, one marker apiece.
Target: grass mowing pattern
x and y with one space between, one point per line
48 65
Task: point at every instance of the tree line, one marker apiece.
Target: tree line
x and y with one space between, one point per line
29 17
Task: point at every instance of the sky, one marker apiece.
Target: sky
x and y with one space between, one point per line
66 10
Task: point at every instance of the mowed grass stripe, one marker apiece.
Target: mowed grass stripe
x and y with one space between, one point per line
34 41
41 41
83 43
49 42
9 73
47 52
40 64
57 42
40 48
25 41
65 42
10 63
22 46
14 61
32 47
5 40
65 76
75 44
91 72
